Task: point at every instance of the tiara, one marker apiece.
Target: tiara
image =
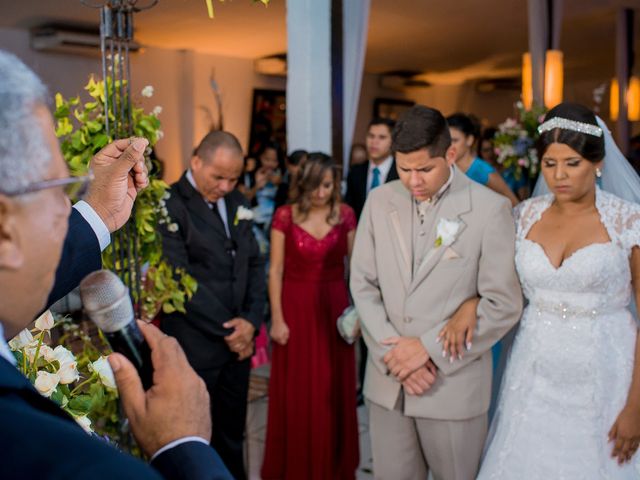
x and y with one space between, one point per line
566 124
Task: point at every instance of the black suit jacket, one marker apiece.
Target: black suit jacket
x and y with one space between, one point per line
228 285
39 440
357 185
80 257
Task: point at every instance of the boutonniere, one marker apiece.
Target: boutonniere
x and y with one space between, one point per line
447 231
242 213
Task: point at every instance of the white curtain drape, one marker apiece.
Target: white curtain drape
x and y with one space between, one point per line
355 27
309 75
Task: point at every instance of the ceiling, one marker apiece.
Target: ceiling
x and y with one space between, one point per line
449 41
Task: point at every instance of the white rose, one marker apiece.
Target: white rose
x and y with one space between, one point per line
68 373
21 340
147 91
46 383
245 213
172 227
160 134
447 231
157 110
85 423
103 369
45 321
63 356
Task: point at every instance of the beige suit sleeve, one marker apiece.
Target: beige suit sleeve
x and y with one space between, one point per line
365 290
499 290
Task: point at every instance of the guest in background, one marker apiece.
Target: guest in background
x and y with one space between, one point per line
248 180
358 154
380 168
267 178
312 430
214 244
487 152
293 162
463 137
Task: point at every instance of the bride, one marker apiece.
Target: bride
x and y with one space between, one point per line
570 400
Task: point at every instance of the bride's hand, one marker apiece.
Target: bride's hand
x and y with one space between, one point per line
456 336
625 434
279 332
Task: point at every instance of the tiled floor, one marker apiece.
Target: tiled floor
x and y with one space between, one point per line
257 422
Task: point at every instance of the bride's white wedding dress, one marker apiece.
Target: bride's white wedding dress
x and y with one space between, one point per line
570 367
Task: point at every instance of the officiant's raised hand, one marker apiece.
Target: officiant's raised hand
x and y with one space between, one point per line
120 173
175 407
407 355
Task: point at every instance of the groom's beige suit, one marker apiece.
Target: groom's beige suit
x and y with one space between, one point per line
405 283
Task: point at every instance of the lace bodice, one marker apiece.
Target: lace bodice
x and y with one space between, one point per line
594 278
570 366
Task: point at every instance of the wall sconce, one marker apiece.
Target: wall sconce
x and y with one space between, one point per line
633 99
553 79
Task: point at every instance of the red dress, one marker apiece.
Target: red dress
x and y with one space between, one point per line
312 429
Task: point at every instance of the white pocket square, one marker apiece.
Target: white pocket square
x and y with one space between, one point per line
450 254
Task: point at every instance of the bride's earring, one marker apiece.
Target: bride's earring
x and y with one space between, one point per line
598 173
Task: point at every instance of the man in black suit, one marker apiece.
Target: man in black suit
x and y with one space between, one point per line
380 167
214 243
170 421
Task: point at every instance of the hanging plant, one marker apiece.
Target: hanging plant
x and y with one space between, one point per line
81 129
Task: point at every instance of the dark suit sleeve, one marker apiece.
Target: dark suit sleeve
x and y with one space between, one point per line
255 297
191 460
80 256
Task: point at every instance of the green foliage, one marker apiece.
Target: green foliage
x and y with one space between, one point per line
81 129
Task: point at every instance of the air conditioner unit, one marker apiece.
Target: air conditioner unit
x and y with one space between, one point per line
69 39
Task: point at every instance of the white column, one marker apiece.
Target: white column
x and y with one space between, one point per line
309 75
355 28
538 32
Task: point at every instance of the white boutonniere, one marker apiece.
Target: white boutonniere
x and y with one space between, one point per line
242 213
447 231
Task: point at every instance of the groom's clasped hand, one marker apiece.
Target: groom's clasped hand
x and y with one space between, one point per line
409 362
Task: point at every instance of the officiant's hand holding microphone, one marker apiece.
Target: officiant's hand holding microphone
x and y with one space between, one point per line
177 404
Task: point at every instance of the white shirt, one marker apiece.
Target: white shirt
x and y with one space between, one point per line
221 205
5 351
384 167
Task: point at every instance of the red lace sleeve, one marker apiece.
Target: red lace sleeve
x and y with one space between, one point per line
282 218
348 218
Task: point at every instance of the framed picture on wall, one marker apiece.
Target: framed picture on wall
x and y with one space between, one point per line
268 119
390 107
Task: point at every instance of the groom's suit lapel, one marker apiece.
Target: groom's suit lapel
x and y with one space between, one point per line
401 225
455 202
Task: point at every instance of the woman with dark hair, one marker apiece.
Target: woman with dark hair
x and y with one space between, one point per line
570 400
285 189
312 429
267 177
464 134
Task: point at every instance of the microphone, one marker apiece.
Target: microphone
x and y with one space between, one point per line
106 302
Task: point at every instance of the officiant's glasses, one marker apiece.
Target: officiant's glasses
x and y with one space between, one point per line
74 187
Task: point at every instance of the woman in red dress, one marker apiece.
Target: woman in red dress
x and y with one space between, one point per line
312 429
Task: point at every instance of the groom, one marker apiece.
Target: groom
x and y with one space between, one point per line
424 245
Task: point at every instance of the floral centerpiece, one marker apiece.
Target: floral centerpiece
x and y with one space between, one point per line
514 142
81 128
